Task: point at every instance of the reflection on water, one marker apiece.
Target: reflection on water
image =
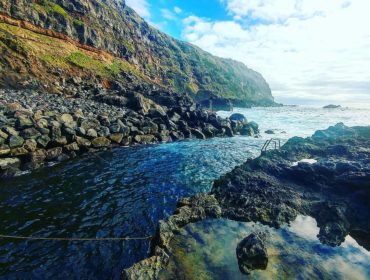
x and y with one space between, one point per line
305 227
206 250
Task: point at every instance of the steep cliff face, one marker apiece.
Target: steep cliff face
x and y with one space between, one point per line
106 40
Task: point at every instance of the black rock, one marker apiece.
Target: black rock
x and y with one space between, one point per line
252 253
332 106
238 117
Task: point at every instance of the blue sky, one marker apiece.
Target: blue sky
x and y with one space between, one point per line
167 14
310 51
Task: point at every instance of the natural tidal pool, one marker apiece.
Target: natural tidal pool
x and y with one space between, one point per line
124 193
207 250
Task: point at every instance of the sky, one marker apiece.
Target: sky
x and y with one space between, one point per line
312 52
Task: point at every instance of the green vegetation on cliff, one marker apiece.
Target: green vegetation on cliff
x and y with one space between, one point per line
115 28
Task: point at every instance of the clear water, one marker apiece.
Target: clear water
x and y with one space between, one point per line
207 250
124 192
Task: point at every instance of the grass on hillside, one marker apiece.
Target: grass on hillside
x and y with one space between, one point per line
56 53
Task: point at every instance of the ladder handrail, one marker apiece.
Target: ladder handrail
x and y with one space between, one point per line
276 142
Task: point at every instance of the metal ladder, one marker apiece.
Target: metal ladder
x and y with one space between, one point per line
275 141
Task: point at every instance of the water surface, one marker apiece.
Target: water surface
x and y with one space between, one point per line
125 192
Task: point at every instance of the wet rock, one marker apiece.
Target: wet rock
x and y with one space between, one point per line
103 131
198 134
30 133
71 147
104 120
142 139
82 142
54 153
126 141
63 157
10 131
66 118
18 152
333 234
6 163
23 122
100 142
91 133
42 123
37 156
157 112
60 141
237 117
228 131
15 141
30 145
251 253
116 137
80 131
4 150
270 131
115 128
56 132
3 135
209 130
247 131
90 124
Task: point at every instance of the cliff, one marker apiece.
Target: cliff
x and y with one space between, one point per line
52 43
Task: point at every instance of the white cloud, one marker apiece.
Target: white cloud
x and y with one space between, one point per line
167 14
140 6
306 49
177 10
274 10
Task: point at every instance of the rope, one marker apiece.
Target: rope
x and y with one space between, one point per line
73 239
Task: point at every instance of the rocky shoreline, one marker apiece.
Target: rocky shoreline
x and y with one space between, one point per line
326 176
37 127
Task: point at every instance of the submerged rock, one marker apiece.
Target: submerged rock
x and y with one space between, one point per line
252 253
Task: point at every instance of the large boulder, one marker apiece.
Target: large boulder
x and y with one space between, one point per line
237 117
250 129
251 252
